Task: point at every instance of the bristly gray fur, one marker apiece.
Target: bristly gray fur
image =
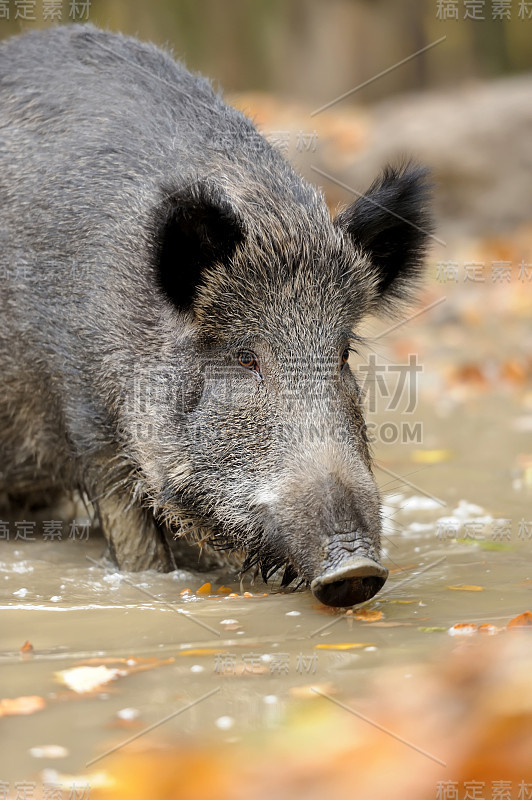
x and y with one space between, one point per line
151 240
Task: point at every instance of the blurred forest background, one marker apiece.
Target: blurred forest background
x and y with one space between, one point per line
313 50
463 105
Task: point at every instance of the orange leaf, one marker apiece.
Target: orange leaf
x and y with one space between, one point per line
470 373
26 651
523 620
395 570
205 589
367 615
463 629
486 627
513 371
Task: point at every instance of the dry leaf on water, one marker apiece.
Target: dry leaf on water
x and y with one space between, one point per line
466 587
524 620
13 706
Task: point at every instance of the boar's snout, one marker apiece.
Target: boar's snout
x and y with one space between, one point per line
353 581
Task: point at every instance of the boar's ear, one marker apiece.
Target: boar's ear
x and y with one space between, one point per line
392 223
195 227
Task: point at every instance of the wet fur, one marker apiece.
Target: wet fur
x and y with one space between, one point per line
149 234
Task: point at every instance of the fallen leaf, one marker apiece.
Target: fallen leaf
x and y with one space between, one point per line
87 679
13 706
329 610
431 456
207 589
488 628
470 373
514 372
201 651
523 620
396 570
26 651
487 544
466 587
367 615
463 629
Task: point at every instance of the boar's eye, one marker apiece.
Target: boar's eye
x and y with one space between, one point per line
248 360
345 356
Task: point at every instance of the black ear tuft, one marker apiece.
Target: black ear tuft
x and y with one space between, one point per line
196 227
392 224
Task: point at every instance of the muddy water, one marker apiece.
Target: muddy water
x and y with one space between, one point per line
235 664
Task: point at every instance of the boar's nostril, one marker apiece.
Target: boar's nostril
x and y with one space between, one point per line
348 591
353 581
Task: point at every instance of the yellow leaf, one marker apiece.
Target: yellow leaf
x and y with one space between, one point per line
466 587
431 456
